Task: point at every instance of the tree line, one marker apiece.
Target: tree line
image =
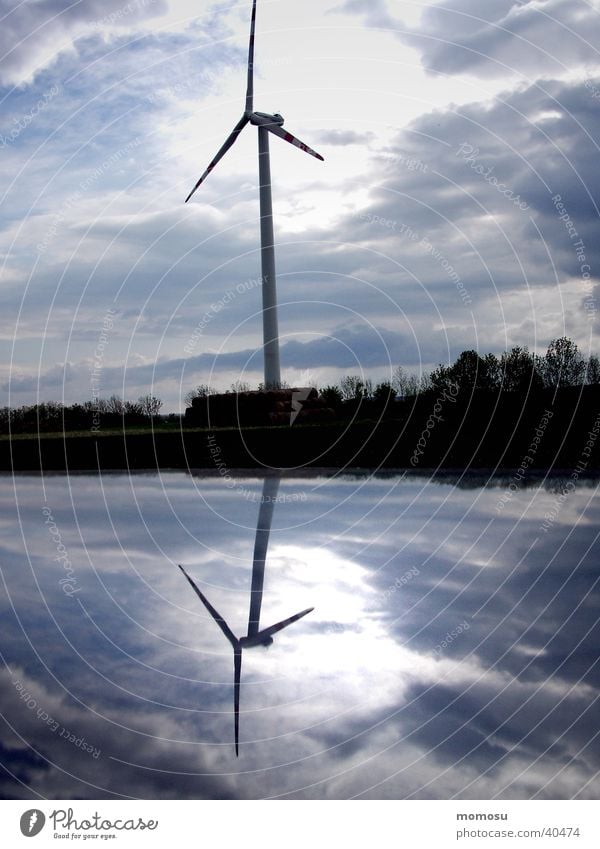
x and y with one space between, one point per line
515 370
52 416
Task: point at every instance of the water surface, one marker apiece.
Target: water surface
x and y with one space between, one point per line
452 649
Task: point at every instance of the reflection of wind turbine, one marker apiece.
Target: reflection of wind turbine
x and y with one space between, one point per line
266 124
255 636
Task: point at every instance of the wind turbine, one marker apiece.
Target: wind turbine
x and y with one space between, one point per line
266 124
255 636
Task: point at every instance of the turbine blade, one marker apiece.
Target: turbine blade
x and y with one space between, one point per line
237 677
250 87
288 137
231 138
268 632
214 613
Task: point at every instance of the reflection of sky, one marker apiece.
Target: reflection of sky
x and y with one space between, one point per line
366 696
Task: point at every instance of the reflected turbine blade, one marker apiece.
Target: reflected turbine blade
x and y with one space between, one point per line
231 138
268 632
288 137
237 676
250 87
213 612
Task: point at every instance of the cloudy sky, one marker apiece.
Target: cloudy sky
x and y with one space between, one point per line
455 208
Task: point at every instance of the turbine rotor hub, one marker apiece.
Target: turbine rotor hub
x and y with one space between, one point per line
264 119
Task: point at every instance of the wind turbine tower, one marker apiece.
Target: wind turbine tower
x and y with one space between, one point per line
266 123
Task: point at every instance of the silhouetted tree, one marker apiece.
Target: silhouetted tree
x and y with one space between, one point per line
415 384
592 371
332 396
518 371
133 413
77 417
410 386
283 384
469 372
441 376
563 365
150 405
352 387
400 380
492 371
49 416
384 392
115 405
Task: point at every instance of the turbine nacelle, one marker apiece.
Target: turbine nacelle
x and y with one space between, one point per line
264 119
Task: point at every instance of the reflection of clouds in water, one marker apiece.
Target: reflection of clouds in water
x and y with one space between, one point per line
356 697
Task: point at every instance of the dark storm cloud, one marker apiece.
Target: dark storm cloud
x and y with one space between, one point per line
30 30
482 179
501 37
496 38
